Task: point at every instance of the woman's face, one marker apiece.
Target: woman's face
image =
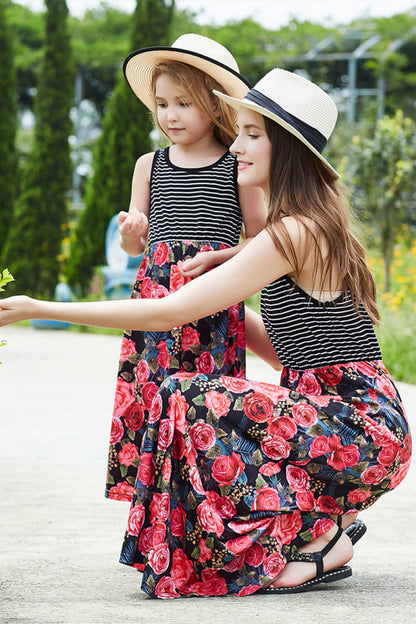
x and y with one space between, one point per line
253 149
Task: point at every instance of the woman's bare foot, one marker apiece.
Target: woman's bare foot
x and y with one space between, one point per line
297 572
347 520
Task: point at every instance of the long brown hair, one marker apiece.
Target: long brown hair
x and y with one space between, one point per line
301 186
198 86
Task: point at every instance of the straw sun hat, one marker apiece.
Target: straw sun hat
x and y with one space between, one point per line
196 50
296 104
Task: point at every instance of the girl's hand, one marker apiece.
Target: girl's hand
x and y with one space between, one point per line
132 224
15 309
192 267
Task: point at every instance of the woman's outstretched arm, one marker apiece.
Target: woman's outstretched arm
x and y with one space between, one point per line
247 272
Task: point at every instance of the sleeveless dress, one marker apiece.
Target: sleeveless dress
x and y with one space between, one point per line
190 210
236 475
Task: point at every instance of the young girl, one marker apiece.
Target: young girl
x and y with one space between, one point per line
184 201
244 486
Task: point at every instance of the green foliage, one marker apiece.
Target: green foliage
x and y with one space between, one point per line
383 169
125 136
28 36
100 42
397 333
397 337
5 278
35 235
8 125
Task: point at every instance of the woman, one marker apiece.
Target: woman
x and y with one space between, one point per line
244 486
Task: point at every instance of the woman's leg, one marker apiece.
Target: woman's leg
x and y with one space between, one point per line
298 572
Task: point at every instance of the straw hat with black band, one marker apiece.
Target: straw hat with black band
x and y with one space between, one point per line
296 104
200 52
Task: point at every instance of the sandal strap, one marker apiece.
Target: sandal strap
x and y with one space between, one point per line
318 557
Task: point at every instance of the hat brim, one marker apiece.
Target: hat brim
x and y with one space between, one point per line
139 65
237 103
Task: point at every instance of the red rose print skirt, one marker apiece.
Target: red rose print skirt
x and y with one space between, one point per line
213 345
234 475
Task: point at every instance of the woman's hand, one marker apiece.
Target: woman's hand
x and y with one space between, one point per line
192 267
15 309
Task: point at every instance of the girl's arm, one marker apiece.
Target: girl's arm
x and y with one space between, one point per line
257 265
258 341
133 225
254 211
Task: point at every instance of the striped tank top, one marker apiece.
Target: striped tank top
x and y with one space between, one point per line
198 204
307 333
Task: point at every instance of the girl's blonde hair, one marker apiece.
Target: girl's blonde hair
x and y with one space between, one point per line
302 187
198 86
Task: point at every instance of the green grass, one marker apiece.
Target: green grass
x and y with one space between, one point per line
397 337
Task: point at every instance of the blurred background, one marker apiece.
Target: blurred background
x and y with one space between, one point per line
71 130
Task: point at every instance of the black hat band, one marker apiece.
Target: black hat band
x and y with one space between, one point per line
311 135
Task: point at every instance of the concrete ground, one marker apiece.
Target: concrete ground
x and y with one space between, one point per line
60 538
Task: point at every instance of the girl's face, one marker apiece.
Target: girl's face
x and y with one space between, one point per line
177 114
253 149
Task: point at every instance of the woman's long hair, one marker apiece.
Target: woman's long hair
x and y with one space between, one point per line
198 86
301 186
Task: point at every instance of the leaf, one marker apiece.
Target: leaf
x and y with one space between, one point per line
212 418
359 468
195 553
133 358
199 400
238 405
186 384
257 458
191 413
214 451
260 482
5 278
306 536
126 376
192 502
153 364
313 468
315 431
219 360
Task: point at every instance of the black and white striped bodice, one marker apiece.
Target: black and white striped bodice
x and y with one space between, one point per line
198 204
307 333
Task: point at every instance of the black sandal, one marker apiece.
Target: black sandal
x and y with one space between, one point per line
321 577
355 531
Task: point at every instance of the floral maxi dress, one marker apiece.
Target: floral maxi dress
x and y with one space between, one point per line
191 210
235 475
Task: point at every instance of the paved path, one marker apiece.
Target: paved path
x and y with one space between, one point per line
60 538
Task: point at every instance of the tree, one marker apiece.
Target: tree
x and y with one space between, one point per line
383 173
8 125
125 136
100 42
35 236
28 33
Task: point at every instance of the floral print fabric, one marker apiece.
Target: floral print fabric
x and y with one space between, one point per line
213 345
236 475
